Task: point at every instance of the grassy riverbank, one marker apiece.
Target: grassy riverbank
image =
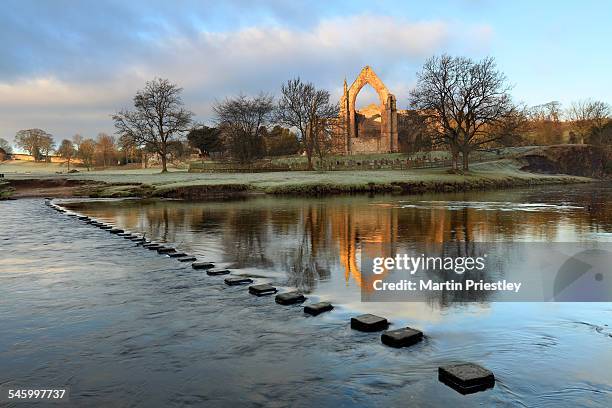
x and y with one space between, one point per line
180 184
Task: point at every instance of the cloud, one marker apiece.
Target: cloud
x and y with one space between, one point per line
80 85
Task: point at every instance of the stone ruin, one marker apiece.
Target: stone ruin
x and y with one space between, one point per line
373 129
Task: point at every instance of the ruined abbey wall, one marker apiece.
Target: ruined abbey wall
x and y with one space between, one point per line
373 129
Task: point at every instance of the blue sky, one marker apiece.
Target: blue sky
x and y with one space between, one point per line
68 65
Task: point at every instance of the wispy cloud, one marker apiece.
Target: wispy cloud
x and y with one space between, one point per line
70 77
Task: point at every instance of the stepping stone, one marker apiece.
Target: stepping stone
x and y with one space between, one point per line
401 337
217 272
187 258
106 227
202 265
165 250
369 323
71 214
237 281
177 255
129 236
262 289
318 308
466 378
154 247
115 230
136 238
148 244
289 298
125 234
83 218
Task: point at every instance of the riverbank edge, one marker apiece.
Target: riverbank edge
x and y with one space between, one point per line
67 188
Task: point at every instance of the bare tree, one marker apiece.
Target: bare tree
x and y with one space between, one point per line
324 131
545 123
77 139
106 149
128 147
87 151
588 117
241 121
463 100
159 117
6 146
36 142
511 130
67 151
47 144
307 109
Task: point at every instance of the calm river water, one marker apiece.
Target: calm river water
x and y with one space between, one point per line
122 326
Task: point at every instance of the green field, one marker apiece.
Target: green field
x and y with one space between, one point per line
149 182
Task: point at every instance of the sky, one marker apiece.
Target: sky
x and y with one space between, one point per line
67 66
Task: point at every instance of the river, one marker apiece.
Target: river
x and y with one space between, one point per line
122 326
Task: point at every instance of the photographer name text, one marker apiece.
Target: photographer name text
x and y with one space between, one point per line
430 285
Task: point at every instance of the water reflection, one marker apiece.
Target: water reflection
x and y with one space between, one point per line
123 326
310 243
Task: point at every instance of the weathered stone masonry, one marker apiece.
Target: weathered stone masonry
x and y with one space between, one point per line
370 130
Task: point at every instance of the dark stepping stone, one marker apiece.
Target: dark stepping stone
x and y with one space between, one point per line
369 323
83 218
202 265
136 238
177 255
129 236
262 289
148 244
466 378
217 272
125 234
106 227
318 308
289 298
153 247
401 337
116 231
165 250
237 281
71 214
187 258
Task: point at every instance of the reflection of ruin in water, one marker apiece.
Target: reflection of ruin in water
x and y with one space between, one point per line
309 239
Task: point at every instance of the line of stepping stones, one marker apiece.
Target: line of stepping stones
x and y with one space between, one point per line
465 378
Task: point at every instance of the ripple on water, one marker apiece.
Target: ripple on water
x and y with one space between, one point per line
124 326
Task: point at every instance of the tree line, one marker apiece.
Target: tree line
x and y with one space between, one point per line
465 105
104 150
246 127
459 104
